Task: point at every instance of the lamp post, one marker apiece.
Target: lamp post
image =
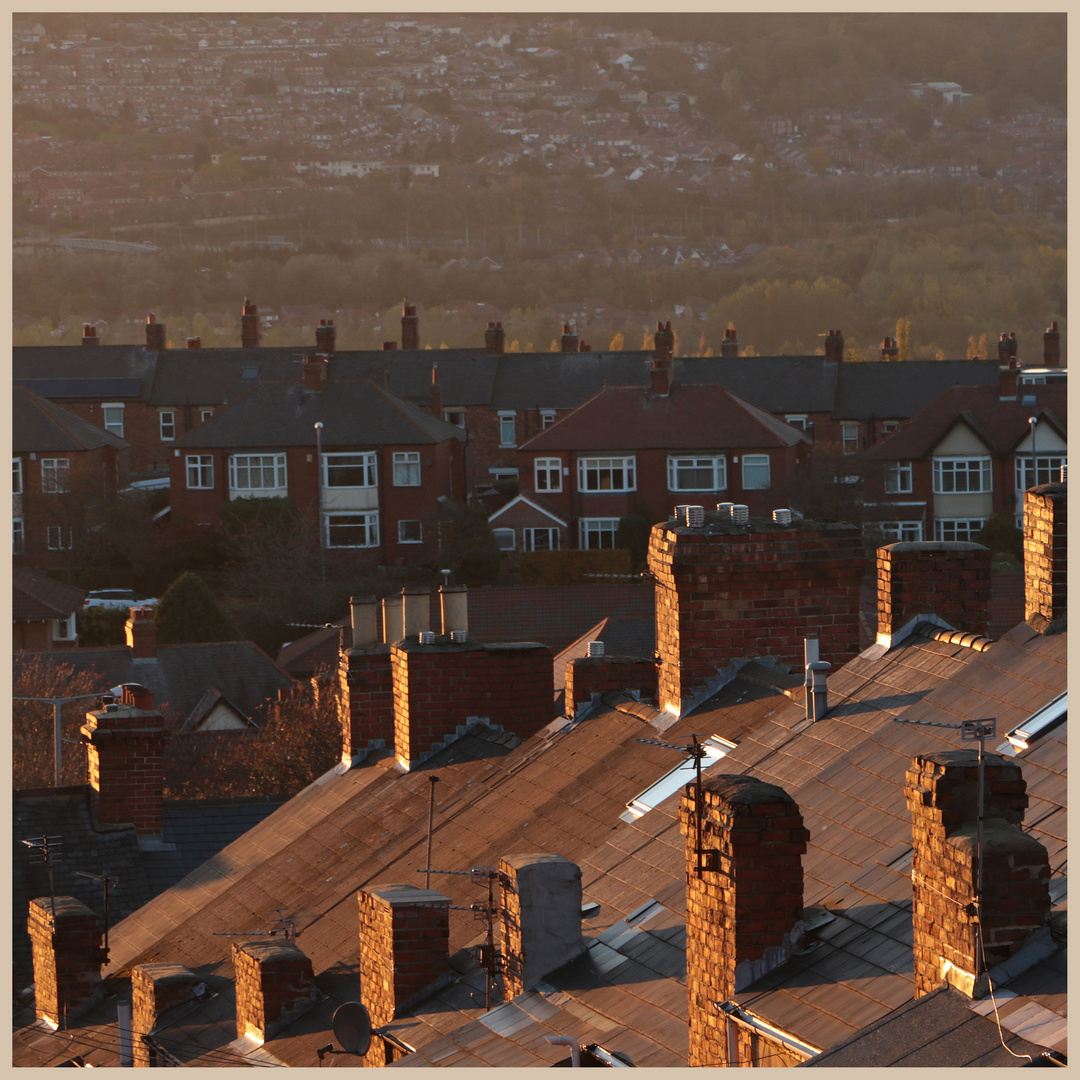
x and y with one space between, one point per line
318 489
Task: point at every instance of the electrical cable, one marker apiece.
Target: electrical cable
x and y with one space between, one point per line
993 1000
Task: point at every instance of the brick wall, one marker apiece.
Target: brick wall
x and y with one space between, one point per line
66 941
588 675
366 701
274 984
1045 557
950 579
942 796
126 763
404 950
156 988
741 912
438 687
540 906
724 592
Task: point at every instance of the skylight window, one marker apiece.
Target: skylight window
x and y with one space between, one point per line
1035 726
251 373
683 773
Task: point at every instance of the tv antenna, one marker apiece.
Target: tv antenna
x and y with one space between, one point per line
695 752
108 883
487 954
284 927
43 850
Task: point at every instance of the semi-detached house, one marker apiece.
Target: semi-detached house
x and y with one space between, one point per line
374 490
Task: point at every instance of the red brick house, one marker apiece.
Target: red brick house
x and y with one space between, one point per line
43 612
375 494
644 450
62 469
970 453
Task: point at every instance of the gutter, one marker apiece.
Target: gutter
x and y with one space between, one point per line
740 1017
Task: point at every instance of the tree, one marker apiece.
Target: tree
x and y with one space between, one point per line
472 552
189 612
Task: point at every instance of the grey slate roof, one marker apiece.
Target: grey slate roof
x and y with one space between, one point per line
180 675
563 380
899 390
353 414
110 366
36 597
41 426
103 389
217 376
777 384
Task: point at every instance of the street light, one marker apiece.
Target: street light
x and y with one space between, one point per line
318 490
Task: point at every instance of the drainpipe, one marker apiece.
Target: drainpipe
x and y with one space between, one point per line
566 1040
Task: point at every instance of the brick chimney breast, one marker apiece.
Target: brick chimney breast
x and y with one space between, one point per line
410 327
67 953
1052 346
744 909
249 325
326 337
1046 558
942 796
275 984
140 633
946 578
541 917
155 989
155 334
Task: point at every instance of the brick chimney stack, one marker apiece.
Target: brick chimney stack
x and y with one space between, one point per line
326 337
314 372
436 391
249 325
587 677
155 334
730 345
744 907
1007 348
569 340
1008 380
90 335
67 949
140 633
367 693
274 985
661 376
946 578
404 952
725 591
1052 346
942 796
410 326
155 989
439 687
890 348
541 917
194 342
126 761
1046 557
834 347
389 346
494 339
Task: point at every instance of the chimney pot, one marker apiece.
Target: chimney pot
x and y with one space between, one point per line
1052 346
454 609
194 342
90 335
326 337
362 616
416 611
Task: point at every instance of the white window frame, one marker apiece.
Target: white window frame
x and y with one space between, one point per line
849 437
205 414
369 523
506 538
247 462
336 462
507 425
681 463
898 477
889 426
167 428
455 417
64 629
547 474
948 470
597 528
402 530
116 428
797 420
529 539
958 529
756 461
1049 465
895 532
620 473
16 476
18 536
405 462
58 537
547 418
55 476
199 471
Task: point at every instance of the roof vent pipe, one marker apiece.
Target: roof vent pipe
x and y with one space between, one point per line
740 513
724 509
459 637
695 516
596 648
427 637
575 1047
781 517
680 514
817 703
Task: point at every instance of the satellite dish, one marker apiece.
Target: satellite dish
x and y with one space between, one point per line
352 1027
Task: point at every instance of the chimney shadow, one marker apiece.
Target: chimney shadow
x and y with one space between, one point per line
887 703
